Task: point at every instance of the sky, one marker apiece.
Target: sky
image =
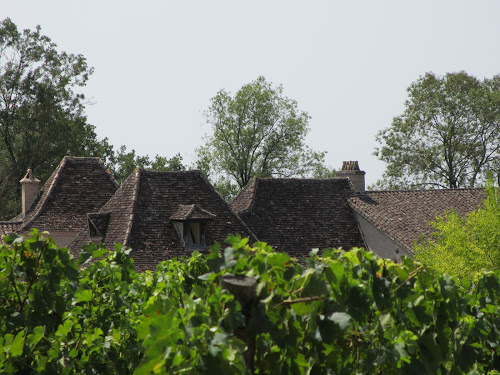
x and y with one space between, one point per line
347 63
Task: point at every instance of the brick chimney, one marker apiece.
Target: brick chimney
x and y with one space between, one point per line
351 169
30 186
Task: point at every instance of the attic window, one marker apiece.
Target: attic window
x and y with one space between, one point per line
192 234
97 223
190 223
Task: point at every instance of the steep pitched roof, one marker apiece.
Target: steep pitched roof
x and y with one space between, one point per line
297 215
404 216
78 185
141 215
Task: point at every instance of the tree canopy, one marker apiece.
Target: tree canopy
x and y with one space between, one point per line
41 115
257 132
448 135
465 246
123 162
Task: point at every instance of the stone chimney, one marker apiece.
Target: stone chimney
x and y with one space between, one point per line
351 169
30 186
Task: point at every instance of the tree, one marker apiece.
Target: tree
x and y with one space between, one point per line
465 246
41 116
122 163
448 135
256 132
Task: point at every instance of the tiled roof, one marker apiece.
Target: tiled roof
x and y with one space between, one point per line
404 216
7 227
141 211
297 215
79 185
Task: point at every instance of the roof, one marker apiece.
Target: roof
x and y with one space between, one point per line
77 186
297 215
7 227
404 216
191 212
142 210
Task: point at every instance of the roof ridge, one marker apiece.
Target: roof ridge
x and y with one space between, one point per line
421 190
217 194
300 178
191 209
138 172
111 177
101 163
252 186
193 171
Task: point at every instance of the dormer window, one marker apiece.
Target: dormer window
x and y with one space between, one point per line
190 223
97 223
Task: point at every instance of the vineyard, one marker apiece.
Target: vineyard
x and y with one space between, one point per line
239 310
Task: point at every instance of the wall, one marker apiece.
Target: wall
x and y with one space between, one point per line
378 242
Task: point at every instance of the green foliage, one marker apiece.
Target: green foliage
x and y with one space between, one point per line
64 319
122 163
465 246
41 116
338 313
448 135
256 132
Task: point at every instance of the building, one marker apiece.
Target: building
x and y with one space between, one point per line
77 186
162 215
392 221
297 215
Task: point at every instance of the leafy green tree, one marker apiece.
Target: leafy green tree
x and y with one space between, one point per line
256 132
341 312
448 135
465 246
123 162
41 115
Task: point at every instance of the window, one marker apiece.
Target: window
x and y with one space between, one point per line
190 222
97 223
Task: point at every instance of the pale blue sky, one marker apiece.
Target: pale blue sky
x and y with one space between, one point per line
347 63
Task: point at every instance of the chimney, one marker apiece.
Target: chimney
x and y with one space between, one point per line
30 186
351 169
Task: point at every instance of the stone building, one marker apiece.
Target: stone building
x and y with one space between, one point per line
78 185
162 215
297 215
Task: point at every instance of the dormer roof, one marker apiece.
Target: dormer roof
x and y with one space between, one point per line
191 212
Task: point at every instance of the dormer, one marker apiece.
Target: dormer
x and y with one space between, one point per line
190 222
98 223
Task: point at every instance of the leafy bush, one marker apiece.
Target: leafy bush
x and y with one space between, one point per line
465 246
342 312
